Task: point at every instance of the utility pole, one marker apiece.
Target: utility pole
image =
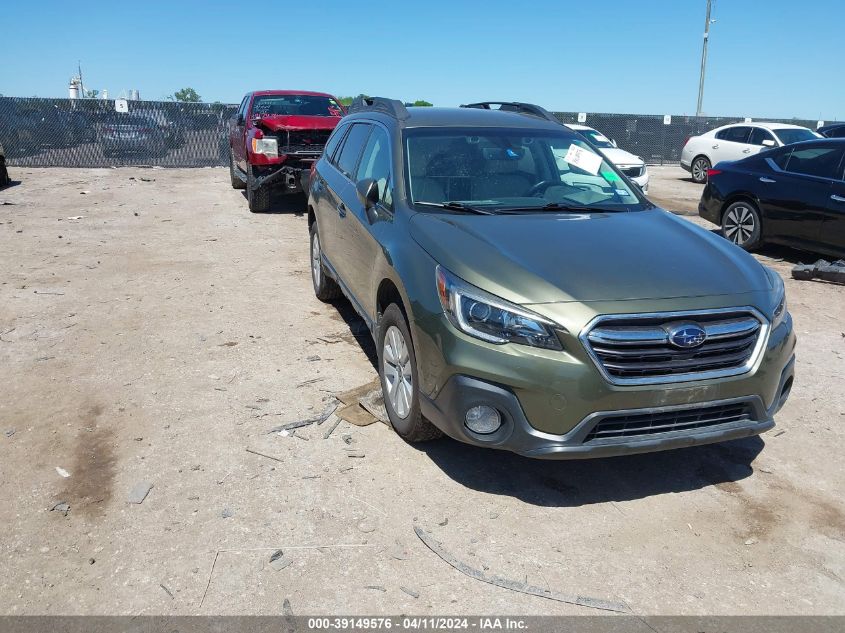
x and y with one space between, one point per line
703 59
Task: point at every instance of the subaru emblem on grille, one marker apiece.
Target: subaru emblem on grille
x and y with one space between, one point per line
687 335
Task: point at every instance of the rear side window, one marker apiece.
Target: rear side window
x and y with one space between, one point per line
351 150
737 134
334 141
758 135
822 162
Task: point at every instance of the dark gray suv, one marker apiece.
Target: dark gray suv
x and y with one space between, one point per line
523 294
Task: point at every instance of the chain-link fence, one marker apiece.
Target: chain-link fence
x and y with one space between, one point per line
91 133
656 138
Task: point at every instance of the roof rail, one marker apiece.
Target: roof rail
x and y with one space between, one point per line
515 106
390 107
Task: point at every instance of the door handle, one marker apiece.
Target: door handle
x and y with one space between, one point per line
764 179
341 210
837 198
716 146
746 151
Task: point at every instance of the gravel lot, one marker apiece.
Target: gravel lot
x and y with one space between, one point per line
165 330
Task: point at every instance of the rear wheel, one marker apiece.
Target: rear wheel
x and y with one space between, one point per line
399 381
257 197
741 225
237 182
325 288
699 169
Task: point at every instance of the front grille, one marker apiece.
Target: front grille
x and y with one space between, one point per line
303 141
636 349
633 172
652 423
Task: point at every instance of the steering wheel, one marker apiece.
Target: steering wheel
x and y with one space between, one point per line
540 187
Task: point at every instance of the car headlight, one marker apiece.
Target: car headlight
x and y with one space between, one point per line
491 318
779 312
266 146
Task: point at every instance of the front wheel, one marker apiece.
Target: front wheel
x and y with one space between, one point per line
257 197
699 169
399 380
741 225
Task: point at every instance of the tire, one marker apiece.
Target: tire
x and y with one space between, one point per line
394 344
741 225
4 173
258 198
325 288
699 168
237 182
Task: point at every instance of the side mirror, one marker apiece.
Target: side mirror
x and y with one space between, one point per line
368 192
240 120
769 142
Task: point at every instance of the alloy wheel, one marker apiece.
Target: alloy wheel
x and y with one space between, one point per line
739 225
316 263
699 170
397 372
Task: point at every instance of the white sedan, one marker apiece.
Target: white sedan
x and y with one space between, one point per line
630 165
739 140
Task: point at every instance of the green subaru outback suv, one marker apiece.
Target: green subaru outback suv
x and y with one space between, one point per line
524 295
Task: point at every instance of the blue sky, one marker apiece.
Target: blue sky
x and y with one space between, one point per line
776 58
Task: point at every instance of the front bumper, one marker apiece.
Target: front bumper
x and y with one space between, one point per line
554 419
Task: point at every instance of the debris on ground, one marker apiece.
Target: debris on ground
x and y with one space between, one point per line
332 426
325 415
366 527
355 414
61 506
410 592
9 432
750 541
398 552
139 492
376 588
444 522
354 395
514 585
279 561
227 512
373 403
166 590
62 472
821 269
358 454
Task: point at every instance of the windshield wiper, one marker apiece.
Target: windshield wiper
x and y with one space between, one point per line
557 206
456 206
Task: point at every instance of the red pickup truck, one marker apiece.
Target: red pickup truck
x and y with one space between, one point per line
274 138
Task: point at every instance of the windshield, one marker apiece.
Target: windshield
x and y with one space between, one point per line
597 138
795 135
304 105
502 170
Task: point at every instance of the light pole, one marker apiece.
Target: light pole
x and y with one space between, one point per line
707 23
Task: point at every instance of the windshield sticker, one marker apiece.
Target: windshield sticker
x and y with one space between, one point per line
583 159
610 176
602 138
623 192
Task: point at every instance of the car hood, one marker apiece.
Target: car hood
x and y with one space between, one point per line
620 156
538 258
295 122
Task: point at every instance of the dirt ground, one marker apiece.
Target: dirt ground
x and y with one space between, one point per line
153 330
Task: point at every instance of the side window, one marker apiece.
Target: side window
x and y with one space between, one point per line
334 141
782 159
758 135
242 109
822 162
375 164
738 134
352 146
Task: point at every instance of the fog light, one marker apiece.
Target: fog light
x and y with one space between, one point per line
483 419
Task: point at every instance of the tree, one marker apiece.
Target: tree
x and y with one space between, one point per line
186 95
423 103
91 94
347 101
